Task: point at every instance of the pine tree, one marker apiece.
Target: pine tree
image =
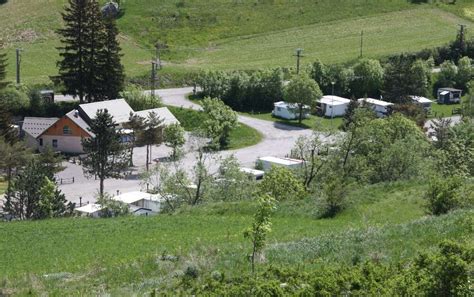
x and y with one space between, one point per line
3 71
23 198
72 67
111 70
106 156
94 41
85 64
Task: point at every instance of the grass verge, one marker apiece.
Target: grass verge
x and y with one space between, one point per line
240 137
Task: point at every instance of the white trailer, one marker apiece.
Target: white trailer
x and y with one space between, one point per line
288 111
332 106
268 162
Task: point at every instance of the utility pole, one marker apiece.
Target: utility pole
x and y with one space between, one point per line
298 57
361 42
153 78
18 61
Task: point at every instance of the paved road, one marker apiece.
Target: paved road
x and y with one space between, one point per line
454 120
278 139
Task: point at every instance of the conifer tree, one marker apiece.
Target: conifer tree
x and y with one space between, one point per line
94 40
72 67
106 156
111 70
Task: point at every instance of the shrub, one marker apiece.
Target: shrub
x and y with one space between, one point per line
282 184
443 195
333 197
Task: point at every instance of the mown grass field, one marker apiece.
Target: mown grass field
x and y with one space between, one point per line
334 42
227 34
81 255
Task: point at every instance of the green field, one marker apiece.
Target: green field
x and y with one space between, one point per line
334 42
226 34
81 255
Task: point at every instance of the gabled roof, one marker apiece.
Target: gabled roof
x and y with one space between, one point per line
35 126
163 113
118 109
74 116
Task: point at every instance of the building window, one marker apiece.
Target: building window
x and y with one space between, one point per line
55 143
41 141
67 130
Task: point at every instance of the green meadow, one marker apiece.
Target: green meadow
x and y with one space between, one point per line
81 255
230 34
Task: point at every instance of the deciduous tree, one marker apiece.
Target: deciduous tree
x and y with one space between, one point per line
174 138
220 121
303 92
261 226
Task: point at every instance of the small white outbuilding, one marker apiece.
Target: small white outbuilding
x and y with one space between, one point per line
268 162
90 210
256 174
381 108
289 111
425 103
141 203
332 106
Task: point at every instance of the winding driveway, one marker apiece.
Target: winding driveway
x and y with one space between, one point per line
278 139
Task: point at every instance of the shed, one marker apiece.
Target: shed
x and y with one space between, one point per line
332 106
90 210
289 111
47 96
268 162
423 102
381 108
449 95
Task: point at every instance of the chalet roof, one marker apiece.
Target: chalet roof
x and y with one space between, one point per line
35 126
162 112
118 109
74 116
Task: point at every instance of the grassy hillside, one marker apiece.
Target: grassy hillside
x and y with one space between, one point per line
81 255
231 34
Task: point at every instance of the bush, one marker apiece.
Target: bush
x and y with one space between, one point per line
443 195
16 100
282 184
333 197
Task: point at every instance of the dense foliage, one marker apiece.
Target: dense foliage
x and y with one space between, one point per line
241 91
